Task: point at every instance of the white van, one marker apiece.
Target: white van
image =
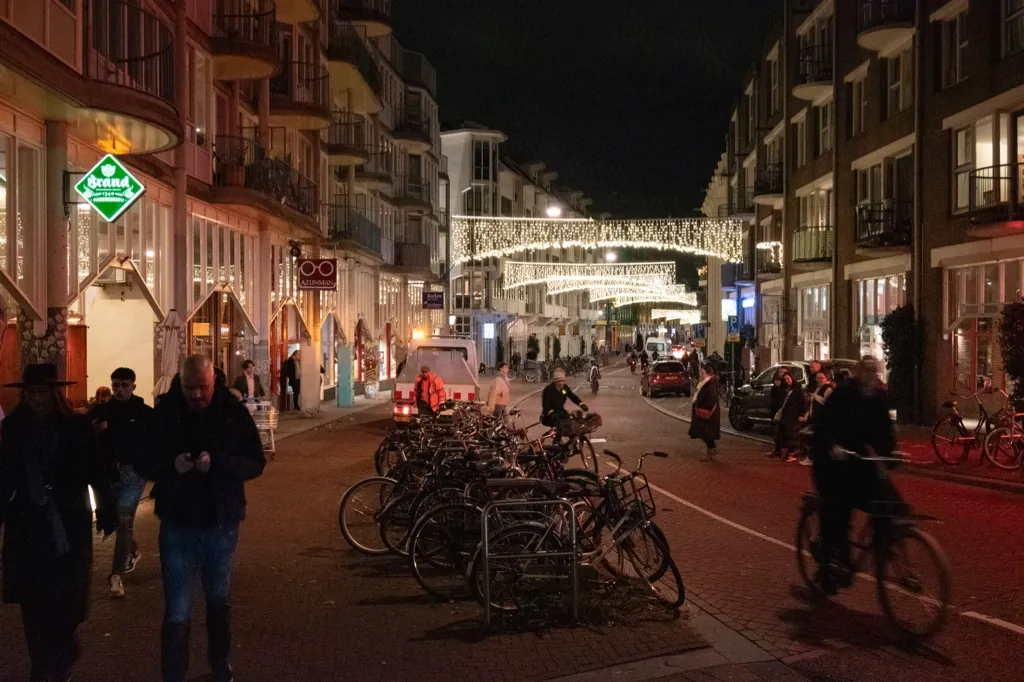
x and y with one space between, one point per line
454 360
660 345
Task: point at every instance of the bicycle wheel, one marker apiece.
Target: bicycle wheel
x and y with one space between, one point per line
913 583
441 546
586 452
524 582
650 551
1003 448
809 550
359 514
668 586
946 442
395 523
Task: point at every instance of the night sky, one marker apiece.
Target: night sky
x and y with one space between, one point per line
629 100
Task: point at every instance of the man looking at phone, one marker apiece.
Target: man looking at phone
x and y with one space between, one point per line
202 448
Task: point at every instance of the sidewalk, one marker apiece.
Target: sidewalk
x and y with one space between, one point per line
292 423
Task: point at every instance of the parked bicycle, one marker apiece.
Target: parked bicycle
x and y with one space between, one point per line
953 442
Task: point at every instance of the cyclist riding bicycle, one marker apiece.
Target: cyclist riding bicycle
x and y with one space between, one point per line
855 418
553 412
644 360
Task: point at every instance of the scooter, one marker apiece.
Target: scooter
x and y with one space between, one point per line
632 366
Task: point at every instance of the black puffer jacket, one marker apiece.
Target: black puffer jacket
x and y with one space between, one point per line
226 430
124 440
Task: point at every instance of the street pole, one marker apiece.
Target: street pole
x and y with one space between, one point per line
608 326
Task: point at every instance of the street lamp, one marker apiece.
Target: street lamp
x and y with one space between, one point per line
611 256
554 211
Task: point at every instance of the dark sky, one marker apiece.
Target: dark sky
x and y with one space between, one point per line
628 100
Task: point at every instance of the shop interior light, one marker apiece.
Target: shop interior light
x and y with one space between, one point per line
418 335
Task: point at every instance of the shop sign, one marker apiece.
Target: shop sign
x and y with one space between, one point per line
318 274
110 188
433 300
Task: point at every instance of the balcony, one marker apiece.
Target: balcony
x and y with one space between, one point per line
996 201
767 263
442 168
246 178
376 173
244 40
768 185
351 229
353 67
415 130
300 97
412 258
297 11
127 95
883 24
741 203
444 218
814 76
884 227
812 244
343 141
412 192
418 73
371 16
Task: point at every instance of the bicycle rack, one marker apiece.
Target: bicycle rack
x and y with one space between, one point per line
529 505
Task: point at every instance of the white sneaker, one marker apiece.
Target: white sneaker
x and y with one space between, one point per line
116 587
132 561
806 462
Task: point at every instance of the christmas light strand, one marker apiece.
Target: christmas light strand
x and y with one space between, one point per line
476 237
577 276
682 316
629 295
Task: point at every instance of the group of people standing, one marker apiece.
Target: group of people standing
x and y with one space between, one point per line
198 446
793 407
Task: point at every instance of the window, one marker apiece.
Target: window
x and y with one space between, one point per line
198 97
1013 27
963 164
482 168
859 106
899 83
801 143
773 87
824 128
506 206
751 115
954 50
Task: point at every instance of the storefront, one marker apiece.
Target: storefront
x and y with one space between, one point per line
875 298
812 291
770 332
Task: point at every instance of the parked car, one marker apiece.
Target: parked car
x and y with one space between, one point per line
665 376
751 403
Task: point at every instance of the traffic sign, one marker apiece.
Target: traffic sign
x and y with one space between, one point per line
699 331
733 329
110 188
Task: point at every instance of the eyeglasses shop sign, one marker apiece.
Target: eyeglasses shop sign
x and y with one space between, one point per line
318 274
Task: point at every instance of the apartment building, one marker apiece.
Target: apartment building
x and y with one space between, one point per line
262 132
483 182
881 143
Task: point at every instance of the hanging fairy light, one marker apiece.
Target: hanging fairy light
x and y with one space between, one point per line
578 276
477 237
683 316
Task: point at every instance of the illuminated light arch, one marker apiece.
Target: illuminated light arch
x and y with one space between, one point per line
477 237
682 316
621 296
566 277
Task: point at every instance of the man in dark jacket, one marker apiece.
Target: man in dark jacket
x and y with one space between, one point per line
248 382
120 425
553 399
203 446
291 375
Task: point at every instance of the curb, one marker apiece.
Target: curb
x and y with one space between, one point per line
920 470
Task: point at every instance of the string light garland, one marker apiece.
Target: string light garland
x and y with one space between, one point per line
566 277
774 247
629 295
478 237
683 316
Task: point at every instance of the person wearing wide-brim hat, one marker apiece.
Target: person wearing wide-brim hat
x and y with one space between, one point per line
47 463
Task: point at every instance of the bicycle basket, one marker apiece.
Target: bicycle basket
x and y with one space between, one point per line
633 493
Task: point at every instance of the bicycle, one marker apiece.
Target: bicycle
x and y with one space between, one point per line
952 441
885 542
1004 445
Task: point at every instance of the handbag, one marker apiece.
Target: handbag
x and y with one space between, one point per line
703 413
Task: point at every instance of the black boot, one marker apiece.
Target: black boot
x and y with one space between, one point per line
174 652
218 632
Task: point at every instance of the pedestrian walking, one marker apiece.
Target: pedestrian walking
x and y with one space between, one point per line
202 447
500 393
291 375
248 383
120 426
693 361
706 416
47 461
429 392
787 418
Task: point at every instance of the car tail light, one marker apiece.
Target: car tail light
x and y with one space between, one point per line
398 395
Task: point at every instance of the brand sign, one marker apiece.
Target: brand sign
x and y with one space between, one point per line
433 300
318 274
110 188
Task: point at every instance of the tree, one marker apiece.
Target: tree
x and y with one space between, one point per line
1011 344
499 350
900 342
532 347
547 347
556 348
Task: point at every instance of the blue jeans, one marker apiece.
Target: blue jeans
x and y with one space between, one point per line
128 493
186 551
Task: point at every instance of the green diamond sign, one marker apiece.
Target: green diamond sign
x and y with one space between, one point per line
110 188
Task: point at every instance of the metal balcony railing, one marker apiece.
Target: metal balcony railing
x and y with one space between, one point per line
874 14
413 122
885 224
444 218
815 64
443 167
768 179
348 224
417 71
741 201
345 44
812 244
379 162
130 47
347 129
302 83
412 187
379 10
412 255
250 21
996 189
766 262
242 163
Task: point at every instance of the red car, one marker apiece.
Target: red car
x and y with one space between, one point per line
667 376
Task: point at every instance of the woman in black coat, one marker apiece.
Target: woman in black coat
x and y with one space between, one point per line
47 462
706 415
789 418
